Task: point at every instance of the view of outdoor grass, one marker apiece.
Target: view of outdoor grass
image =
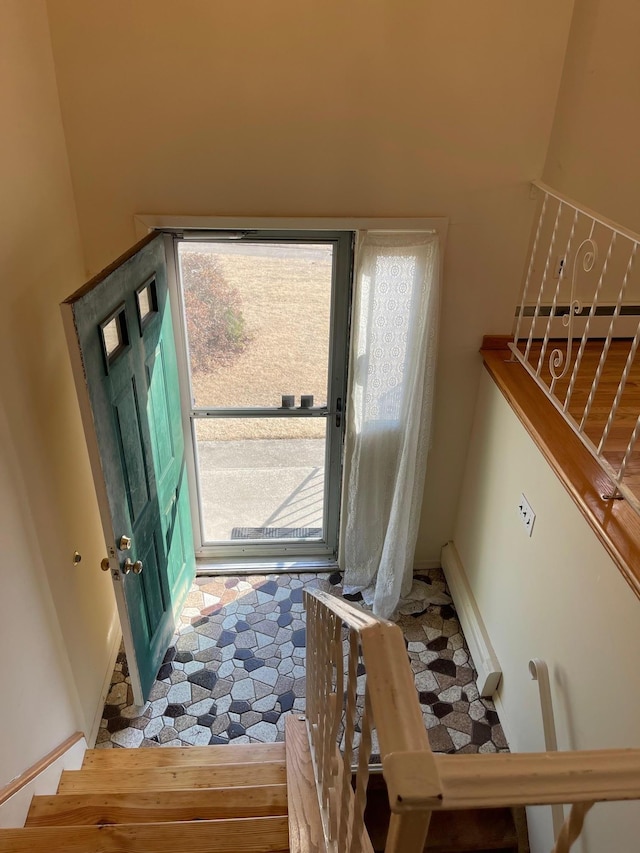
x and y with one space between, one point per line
258 327
258 317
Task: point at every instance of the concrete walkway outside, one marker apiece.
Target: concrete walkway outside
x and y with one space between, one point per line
261 483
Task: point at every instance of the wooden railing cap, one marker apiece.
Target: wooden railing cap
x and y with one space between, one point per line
412 781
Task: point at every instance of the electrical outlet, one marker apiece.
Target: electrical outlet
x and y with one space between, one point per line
527 515
558 266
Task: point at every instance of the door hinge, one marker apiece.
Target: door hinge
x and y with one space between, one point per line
339 412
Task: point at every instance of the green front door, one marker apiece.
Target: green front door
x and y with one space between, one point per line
120 334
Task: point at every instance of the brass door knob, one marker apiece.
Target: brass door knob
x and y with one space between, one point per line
105 565
130 566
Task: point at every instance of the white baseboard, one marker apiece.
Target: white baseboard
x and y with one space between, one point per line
13 811
484 657
106 684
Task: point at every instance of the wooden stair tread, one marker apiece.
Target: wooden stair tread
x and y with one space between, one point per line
171 778
201 755
247 835
160 806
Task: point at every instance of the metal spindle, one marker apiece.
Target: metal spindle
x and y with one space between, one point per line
585 334
552 312
536 313
607 343
629 451
534 249
621 386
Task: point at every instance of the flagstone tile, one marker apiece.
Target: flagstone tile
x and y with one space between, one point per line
236 668
129 738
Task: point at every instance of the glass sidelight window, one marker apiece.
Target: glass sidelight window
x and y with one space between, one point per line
265 327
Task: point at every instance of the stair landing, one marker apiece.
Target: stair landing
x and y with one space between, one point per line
236 667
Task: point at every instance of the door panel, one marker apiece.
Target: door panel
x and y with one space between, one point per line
120 335
131 444
159 415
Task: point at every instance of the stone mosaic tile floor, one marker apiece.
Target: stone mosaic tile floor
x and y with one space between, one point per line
236 666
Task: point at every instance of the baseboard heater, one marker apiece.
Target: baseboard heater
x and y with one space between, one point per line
475 633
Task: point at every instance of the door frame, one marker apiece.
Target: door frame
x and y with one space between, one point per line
169 224
332 413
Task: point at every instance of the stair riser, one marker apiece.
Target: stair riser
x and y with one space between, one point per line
164 806
255 835
171 778
131 759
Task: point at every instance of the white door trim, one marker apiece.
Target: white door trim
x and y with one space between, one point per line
146 222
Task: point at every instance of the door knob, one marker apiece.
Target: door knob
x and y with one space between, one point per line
105 564
125 543
129 566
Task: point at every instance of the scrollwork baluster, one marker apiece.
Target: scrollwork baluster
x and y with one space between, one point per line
557 358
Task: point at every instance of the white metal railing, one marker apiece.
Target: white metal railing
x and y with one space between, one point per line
341 699
582 284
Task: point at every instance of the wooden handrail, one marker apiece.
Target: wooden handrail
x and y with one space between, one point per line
391 705
544 778
586 211
615 523
351 615
419 782
31 772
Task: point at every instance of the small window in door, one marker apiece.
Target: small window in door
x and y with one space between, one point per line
146 302
114 335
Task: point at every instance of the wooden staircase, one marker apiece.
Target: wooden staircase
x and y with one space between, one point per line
218 799
257 798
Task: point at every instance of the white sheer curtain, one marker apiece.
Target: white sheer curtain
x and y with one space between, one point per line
391 396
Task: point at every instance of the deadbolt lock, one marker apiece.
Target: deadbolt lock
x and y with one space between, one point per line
125 543
104 564
130 566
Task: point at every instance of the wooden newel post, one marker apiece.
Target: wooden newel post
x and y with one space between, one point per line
414 787
408 832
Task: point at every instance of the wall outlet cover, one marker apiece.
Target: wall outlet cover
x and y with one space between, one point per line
527 515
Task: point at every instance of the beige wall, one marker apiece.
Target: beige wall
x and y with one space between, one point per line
556 596
593 152
56 620
38 710
284 108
